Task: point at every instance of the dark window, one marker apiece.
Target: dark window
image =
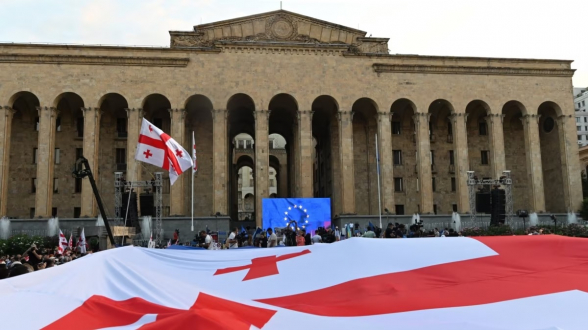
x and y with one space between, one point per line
35 155
58 124
398 185
485 157
121 159
453 185
80 126
78 185
158 122
454 206
451 157
54 212
397 157
433 184
77 212
32 212
396 127
435 208
57 156
37 124
432 157
79 153
399 209
483 129
34 185
449 128
55 185
549 124
121 127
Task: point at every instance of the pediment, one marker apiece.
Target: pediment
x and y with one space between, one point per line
277 27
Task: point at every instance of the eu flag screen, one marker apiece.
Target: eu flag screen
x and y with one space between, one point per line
309 213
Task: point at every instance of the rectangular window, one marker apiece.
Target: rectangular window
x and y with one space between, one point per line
121 159
37 124
32 212
449 128
453 185
396 127
435 208
57 155
397 157
583 103
121 127
577 121
454 206
55 185
34 185
35 155
586 119
54 212
579 128
78 185
432 157
58 124
483 129
451 157
399 209
80 126
434 186
77 212
79 153
485 157
398 185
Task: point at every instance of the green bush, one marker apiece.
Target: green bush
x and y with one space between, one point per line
20 243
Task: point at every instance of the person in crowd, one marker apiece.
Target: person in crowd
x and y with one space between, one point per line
369 233
300 241
263 240
34 257
437 234
20 269
206 240
3 271
232 240
337 234
389 232
316 238
273 239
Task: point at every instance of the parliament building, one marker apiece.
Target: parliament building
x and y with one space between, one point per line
327 90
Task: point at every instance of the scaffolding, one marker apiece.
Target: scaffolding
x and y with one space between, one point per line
121 185
505 180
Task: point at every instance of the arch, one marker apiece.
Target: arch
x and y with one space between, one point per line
365 103
553 159
69 96
283 98
325 132
245 160
114 100
515 152
240 111
24 94
155 103
198 101
403 108
515 105
325 102
365 127
552 105
440 111
240 100
479 106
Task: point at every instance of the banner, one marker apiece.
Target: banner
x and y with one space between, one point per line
309 213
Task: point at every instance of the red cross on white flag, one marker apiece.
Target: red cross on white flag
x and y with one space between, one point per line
159 149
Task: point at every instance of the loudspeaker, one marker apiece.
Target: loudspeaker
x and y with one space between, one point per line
147 204
498 214
132 215
483 203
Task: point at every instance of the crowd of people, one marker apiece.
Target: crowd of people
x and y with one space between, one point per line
34 259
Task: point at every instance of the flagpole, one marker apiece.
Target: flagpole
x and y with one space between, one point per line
379 195
192 190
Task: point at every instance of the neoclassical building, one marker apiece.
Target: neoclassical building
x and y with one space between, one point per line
326 89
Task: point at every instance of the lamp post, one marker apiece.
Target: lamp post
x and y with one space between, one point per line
523 214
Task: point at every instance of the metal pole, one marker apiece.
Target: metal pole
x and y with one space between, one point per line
99 201
378 170
122 240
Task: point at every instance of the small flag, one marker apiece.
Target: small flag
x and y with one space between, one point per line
62 243
151 244
169 243
195 167
82 242
371 227
70 243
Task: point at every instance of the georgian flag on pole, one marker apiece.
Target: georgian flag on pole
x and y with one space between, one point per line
82 242
70 242
195 167
62 245
159 149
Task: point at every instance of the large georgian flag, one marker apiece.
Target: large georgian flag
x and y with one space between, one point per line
62 244
159 149
500 283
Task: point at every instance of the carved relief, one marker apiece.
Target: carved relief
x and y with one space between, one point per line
281 27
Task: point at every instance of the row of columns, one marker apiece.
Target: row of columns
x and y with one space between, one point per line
303 168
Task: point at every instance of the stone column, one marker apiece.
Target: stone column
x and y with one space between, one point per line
497 160
134 118
570 162
261 161
90 151
534 166
176 192
386 162
421 120
220 162
305 163
346 156
461 160
6 114
45 161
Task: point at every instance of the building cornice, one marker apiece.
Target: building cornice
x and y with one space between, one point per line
471 70
488 60
94 60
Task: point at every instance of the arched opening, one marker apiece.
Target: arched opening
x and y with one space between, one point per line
241 132
406 191
69 145
22 170
551 157
479 140
245 174
199 120
365 128
515 153
112 148
443 156
278 160
325 131
283 122
156 111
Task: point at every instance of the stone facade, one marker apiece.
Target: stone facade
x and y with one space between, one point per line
327 89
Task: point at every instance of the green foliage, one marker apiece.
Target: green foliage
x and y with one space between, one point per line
20 243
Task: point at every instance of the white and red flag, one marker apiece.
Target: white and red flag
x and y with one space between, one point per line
70 242
159 149
62 245
486 283
194 159
82 242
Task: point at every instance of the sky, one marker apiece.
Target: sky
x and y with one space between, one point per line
554 29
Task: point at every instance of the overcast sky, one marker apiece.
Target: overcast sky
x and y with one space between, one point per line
554 29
